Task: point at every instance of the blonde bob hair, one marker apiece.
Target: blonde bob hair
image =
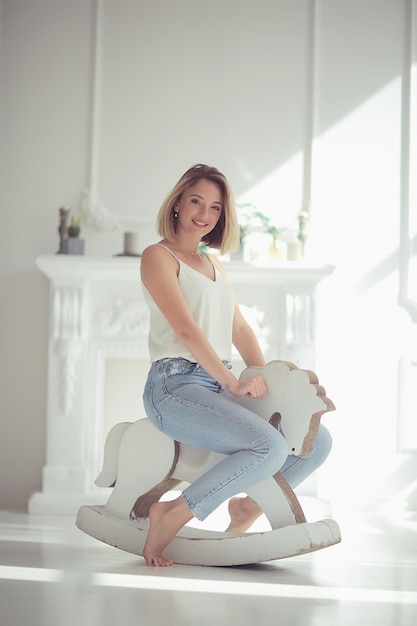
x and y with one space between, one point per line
225 235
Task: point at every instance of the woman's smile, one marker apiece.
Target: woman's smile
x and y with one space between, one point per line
199 223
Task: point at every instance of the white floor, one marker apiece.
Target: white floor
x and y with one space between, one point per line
52 574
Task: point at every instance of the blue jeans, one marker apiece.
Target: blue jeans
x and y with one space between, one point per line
183 401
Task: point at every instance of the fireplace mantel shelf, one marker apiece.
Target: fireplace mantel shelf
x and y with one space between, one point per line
97 312
62 266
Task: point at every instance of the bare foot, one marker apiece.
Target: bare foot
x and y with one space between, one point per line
166 519
243 513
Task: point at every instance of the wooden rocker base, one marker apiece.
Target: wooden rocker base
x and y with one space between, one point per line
193 546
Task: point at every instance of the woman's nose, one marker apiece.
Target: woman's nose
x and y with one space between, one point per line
203 210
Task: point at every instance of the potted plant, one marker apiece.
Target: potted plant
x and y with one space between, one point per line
254 222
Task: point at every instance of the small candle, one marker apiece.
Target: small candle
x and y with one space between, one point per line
294 250
131 244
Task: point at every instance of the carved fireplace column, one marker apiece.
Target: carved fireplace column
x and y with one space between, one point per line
65 474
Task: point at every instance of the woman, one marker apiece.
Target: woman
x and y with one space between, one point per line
194 322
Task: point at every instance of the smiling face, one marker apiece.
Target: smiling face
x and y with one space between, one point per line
200 208
210 187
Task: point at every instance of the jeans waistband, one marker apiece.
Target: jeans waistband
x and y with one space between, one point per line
179 365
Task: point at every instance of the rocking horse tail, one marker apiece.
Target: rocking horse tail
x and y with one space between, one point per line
108 475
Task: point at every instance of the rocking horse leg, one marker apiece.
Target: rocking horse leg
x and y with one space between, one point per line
146 459
145 501
278 501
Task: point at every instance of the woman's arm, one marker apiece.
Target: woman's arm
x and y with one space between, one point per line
245 341
159 272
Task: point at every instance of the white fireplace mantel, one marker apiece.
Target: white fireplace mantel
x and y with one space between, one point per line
97 311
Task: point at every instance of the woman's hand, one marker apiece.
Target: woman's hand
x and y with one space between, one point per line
253 388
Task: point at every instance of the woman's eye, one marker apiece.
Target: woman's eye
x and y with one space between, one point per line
195 200
217 208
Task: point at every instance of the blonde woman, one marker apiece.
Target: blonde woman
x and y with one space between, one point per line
194 321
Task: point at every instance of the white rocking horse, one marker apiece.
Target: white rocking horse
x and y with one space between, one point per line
142 464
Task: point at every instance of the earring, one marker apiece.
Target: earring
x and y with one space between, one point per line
175 214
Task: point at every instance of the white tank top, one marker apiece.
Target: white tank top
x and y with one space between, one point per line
212 304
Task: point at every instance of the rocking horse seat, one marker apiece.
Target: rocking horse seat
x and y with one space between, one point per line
141 464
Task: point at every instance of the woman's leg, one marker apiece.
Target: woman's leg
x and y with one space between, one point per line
187 406
166 519
297 468
244 511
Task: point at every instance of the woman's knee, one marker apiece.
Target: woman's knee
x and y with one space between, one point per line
322 445
278 450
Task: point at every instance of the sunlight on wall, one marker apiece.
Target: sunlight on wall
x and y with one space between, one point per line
356 192
362 333
278 195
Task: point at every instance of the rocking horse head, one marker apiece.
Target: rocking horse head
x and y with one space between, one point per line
294 403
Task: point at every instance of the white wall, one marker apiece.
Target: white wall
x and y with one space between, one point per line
225 84
45 91
365 336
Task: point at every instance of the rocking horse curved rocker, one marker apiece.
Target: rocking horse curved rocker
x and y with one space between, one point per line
141 464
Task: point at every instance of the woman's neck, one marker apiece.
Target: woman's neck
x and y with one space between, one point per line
187 248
